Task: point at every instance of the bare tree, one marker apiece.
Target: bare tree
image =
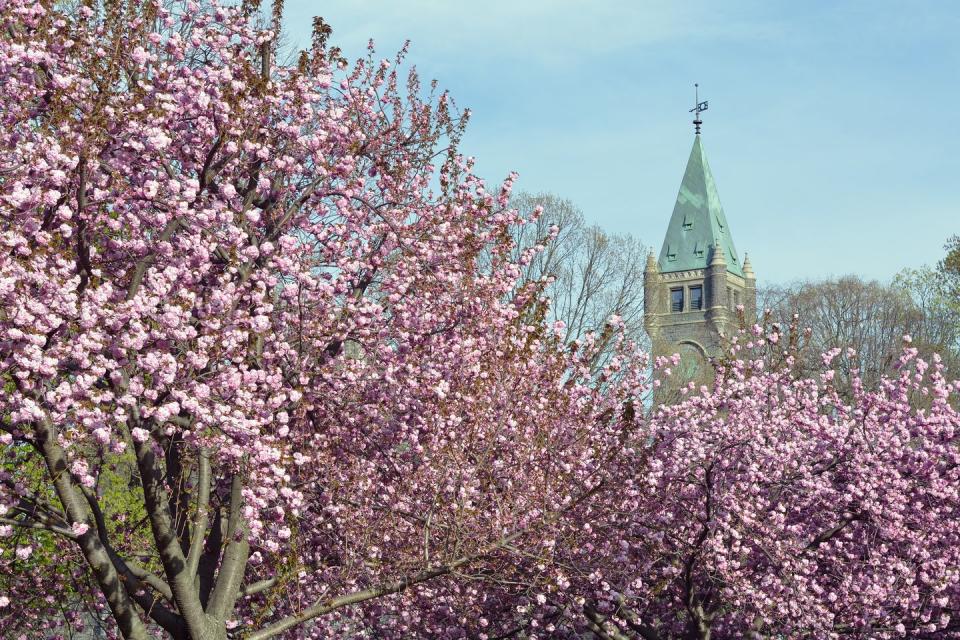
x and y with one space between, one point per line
593 274
871 317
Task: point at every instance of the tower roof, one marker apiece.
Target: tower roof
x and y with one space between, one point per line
697 223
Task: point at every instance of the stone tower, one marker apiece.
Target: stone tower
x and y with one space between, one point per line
692 292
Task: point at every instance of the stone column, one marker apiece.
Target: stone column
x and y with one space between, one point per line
715 281
749 291
652 295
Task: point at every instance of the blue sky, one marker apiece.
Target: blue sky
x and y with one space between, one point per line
832 128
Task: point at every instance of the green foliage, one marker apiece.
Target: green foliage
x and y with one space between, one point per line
930 291
22 466
949 268
951 262
121 499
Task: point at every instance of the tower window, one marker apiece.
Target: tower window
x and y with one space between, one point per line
698 248
671 253
676 300
696 298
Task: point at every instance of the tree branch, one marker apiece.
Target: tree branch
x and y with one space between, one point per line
39 526
396 586
824 536
128 568
140 269
258 587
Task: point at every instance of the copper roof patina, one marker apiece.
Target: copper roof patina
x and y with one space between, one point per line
698 223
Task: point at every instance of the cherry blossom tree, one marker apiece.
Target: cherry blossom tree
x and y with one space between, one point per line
771 506
267 366
774 504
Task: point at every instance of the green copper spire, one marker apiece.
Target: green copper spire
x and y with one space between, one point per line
697 223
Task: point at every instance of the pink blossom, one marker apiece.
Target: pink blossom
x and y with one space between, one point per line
138 55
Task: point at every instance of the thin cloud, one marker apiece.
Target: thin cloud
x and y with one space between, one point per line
551 33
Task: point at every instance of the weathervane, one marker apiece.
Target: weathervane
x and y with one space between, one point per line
700 106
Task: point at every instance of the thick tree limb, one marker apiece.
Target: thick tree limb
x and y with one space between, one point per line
202 518
235 556
634 621
596 622
178 498
210 558
135 576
